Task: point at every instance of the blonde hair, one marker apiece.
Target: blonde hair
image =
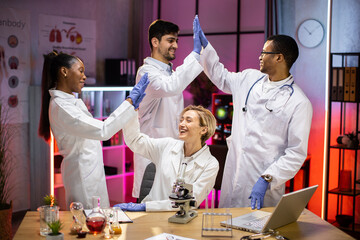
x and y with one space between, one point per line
206 119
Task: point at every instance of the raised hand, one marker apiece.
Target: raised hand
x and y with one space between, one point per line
203 40
197 43
138 92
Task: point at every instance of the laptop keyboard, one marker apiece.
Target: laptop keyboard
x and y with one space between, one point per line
258 223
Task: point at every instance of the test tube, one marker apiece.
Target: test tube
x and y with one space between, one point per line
228 219
182 171
212 206
206 209
206 203
212 200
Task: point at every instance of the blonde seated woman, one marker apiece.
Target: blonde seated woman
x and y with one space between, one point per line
197 124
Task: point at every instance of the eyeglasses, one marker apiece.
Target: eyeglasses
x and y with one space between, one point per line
262 53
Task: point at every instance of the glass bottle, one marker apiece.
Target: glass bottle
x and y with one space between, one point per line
77 210
95 221
75 227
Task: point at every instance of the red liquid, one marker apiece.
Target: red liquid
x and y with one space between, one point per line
96 225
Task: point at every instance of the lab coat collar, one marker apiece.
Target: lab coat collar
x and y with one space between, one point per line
281 82
203 161
159 64
179 149
57 93
195 155
268 86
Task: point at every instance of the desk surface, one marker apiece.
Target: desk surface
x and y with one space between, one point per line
145 225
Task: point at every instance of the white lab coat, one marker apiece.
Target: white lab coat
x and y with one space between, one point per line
167 154
77 135
159 110
261 142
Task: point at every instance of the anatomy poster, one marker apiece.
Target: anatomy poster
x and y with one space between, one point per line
69 35
15 64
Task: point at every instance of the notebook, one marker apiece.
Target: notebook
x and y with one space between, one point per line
286 211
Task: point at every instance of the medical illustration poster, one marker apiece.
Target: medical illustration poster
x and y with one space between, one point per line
69 35
15 64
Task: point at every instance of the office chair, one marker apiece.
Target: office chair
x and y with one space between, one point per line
219 152
147 181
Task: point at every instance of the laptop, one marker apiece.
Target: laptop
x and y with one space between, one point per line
286 211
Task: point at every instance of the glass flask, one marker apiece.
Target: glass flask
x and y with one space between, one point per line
95 221
75 227
109 214
115 226
77 211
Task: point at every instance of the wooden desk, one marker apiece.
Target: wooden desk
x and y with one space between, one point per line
308 226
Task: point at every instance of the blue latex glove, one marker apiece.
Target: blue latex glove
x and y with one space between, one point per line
196 28
203 40
258 193
132 207
138 92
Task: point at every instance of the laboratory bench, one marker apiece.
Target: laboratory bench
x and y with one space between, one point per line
149 224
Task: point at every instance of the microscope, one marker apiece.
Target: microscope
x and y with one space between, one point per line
182 195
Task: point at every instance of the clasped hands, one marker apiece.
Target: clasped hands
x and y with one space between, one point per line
199 36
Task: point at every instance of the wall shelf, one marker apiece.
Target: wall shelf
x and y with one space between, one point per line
343 118
341 146
342 192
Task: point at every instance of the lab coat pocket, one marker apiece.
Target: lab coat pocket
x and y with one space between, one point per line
276 123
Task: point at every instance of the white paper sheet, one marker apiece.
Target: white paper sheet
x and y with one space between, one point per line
168 236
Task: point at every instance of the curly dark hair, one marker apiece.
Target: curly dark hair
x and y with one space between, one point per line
159 28
287 46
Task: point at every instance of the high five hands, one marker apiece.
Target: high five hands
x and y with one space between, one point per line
138 92
199 36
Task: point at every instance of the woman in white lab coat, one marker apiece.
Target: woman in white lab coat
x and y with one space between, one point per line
76 132
270 127
197 124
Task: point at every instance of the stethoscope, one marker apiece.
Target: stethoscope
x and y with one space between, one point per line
244 109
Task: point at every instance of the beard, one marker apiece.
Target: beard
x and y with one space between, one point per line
169 57
166 54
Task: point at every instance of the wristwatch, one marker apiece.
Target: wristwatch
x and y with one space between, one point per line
267 177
